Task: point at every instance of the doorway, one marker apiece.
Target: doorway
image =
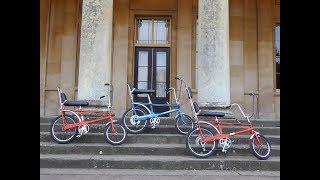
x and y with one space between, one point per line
152 71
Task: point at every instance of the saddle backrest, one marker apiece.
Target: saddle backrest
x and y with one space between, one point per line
130 86
189 91
196 107
63 97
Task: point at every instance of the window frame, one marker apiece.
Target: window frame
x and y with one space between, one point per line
152 18
277 90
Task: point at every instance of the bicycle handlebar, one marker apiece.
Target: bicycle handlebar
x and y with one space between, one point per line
169 89
109 95
181 80
253 94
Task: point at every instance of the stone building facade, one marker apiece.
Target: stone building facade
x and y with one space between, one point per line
224 49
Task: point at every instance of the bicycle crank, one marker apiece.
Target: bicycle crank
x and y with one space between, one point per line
154 122
225 144
83 130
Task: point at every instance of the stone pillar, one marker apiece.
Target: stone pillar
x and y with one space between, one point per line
212 65
184 39
95 48
120 56
265 59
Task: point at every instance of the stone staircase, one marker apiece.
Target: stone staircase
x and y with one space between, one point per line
158 149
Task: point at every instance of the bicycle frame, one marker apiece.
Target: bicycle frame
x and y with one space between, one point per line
197 113
218 124
224 138
155 115
151 105
80 113
249 129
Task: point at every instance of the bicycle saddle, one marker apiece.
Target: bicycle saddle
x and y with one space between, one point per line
207 112
76 103
211 113
143 91
72 103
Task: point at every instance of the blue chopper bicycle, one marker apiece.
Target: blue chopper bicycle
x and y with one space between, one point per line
136 117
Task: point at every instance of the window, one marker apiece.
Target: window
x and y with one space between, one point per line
152 32
144 31
277 55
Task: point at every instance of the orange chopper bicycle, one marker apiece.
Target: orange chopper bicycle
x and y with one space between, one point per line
74 122
202 140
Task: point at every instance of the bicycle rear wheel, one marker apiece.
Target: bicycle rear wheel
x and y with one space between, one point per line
58 134
131 124
184 123
196 147
115 134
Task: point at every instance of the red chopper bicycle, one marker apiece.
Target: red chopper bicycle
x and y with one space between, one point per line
75 122
201 140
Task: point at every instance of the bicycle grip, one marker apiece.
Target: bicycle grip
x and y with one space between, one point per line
107 84
102 97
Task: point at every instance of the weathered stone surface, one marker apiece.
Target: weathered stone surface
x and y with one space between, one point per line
212 66
95 48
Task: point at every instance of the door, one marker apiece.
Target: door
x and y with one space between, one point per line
152 71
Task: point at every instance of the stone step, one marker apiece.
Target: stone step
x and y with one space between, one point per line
140 149
170 121
170 129
255 122
137 174
152 138
243 163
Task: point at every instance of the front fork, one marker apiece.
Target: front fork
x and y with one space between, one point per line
113 127
202 143
255 134
180 114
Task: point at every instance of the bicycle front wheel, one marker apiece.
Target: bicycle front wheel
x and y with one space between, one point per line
184 123
130 122
115 133
58 134
196 147
260 147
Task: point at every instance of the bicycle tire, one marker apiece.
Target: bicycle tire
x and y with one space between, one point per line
129 125
194 150
255 152
184 128
54 134
120 132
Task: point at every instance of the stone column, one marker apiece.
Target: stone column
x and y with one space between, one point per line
184 39
95 48
120 56
212 65
265 60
